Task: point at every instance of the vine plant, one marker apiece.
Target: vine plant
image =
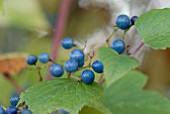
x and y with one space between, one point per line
118 90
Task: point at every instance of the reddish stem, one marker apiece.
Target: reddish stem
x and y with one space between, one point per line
13 82
59 29
101 80
137 49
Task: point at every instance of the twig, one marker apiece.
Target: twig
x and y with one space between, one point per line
108 39
137 49
59 29
13 82
39 73
124 33
91 57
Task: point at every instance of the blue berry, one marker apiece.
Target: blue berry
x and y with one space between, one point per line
31 60
123 22
14 100
67 43
62 111
2 110
133 19
26 111
26 106
77 55
87 76
12 110
56 70
44 57
81 64
98 66
118 45
71 66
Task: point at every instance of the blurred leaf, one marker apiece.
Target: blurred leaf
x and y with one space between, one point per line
154 28
60 93
2 6
115 66
126 96
25 13
95 108
12 63
89 110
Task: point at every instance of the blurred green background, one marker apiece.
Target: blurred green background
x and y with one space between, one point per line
26 26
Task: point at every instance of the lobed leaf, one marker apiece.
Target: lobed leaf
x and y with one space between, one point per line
115 66
127 96
154 28
60 93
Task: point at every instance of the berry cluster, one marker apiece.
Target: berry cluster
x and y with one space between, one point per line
75 63
13 109
123 22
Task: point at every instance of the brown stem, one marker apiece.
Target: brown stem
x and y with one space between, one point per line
69 75
59 29
13 82
90 57
51 60
39 73
84 46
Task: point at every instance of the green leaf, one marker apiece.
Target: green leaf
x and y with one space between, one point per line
89 110
154 28
60 93
115 66
2 6
95 108
127 96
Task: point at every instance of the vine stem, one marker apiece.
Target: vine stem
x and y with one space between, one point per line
39 73
13 82
137 49
108 39
59 30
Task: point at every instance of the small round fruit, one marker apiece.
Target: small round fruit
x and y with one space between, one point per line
44 57
123 22
26 111
87 76
98 66
31 60
77 55
14 100
2 110
71 66
67 43
133 19
118 45
56 70
12 110
81 64
62 111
